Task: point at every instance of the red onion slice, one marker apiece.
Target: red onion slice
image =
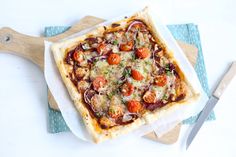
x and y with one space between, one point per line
133 23
93 59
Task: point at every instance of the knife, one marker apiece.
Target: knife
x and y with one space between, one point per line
212 102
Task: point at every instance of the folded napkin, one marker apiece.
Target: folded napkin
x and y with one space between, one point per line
185 32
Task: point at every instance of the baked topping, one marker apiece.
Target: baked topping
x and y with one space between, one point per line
142 52
99 82
136 75
150 97
113 59
123 73
134 106
127 89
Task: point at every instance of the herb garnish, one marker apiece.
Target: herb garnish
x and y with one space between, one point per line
95 60
133 57
98 114
115 42
167 69
168 73
106 72
165 97
122 64
127 72
110 95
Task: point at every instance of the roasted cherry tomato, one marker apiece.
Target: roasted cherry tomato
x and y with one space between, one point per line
142 52
115 111
102 49
78 56
160 80
113 59
99 82
134 106
136 75
127 89
127 46
150 97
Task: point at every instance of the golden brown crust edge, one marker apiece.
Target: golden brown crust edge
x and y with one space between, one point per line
97 133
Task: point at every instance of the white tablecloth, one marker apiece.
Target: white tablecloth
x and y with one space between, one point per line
23 96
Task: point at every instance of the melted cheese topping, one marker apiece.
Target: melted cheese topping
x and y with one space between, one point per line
150 67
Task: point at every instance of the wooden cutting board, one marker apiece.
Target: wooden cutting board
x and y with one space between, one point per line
32 48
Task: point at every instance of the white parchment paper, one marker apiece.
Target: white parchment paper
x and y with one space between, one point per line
164 124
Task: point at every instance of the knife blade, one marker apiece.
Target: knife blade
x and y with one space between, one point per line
212 102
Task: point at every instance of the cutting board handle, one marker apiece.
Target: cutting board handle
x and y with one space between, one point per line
22 45
31 47
84 23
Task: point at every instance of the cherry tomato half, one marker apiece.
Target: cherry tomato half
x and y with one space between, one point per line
134 106
127 46
78 56
99 82
136 75
113 59
127 89
160 80
142 52
102 49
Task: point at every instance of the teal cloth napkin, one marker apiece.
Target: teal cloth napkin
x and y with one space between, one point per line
185 32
